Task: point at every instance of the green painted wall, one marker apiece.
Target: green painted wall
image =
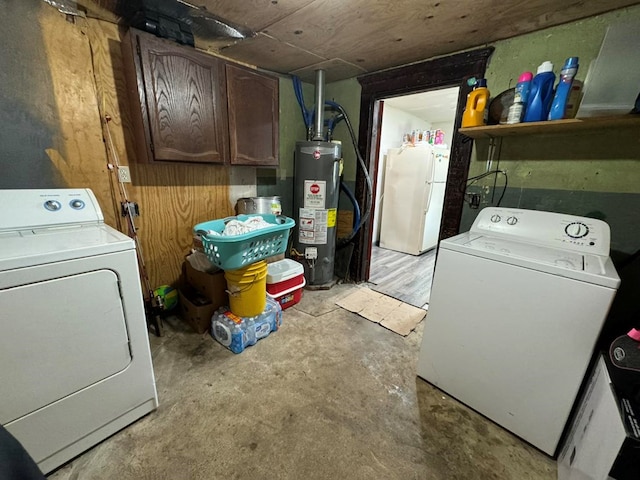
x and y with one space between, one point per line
347 94
592 174
279 181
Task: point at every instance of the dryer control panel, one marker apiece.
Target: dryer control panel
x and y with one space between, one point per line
43 208
559 230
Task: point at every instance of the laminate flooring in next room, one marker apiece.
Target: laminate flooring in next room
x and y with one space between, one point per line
330 395
403 276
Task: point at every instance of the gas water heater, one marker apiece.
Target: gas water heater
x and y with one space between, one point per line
317 166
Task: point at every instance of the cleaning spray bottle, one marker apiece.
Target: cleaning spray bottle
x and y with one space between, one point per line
541 94
559 104
477 101
520 98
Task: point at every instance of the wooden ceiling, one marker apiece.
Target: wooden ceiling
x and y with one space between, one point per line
351 37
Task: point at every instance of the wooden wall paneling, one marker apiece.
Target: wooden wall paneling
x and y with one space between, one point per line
78 152
172 198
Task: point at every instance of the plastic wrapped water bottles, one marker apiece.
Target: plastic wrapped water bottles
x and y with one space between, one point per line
237 333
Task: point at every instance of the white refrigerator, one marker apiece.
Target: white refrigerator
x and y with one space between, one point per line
413 198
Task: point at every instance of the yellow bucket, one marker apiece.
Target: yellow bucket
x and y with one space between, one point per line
247 288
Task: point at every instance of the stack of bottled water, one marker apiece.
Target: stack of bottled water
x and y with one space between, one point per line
236 333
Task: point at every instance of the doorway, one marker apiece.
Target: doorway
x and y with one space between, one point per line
413 160
452 71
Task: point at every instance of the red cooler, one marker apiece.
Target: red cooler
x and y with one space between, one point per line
285 281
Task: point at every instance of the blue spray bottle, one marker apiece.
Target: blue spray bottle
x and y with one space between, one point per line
559 105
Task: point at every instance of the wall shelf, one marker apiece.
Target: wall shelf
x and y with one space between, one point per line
568 126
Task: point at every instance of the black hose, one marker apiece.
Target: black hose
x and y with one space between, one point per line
369 198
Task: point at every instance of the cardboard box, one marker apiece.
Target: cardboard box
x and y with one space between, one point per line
196 309
604 437
211 285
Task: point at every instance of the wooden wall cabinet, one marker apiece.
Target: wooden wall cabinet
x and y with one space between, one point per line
192 107
252 100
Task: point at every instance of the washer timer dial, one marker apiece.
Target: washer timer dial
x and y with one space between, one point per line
577 230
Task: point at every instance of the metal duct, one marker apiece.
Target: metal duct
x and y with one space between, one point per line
319 127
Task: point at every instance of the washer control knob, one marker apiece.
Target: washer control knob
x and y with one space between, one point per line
77 204
52 205
512 220
495 218
576 230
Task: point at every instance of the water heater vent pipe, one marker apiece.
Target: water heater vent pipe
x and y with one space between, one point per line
319 126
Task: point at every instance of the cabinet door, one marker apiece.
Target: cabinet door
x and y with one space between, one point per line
183 92
253 116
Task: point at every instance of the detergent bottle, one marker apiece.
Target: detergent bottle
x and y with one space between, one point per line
477 100
541 94
559 104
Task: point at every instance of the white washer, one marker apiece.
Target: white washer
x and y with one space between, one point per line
516 307
75 364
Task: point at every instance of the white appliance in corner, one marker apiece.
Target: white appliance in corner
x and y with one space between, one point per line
516 307
75 364
415 181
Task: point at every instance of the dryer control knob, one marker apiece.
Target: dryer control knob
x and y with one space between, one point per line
495 218
52 205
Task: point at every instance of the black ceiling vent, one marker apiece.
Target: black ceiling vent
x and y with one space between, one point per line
163 26
177 20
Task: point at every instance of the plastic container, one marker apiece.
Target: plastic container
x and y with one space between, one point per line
541 94
285 281
477 101
563 90
287 297
237 333
520 98
247 289
238 251
283 270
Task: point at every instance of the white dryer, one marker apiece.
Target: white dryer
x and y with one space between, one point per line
517 304
75 364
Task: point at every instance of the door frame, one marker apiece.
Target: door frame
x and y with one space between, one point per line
444 72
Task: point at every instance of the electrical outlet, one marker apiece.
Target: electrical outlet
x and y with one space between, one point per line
124 175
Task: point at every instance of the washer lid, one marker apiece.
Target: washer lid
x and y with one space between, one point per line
594 269
25 248
546 255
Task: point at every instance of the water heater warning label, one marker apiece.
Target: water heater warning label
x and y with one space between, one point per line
315 194
312 226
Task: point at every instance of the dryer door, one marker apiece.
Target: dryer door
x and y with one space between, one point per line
57 337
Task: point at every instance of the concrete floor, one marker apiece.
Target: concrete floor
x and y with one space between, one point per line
329 396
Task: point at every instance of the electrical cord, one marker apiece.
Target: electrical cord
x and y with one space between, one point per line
470 181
